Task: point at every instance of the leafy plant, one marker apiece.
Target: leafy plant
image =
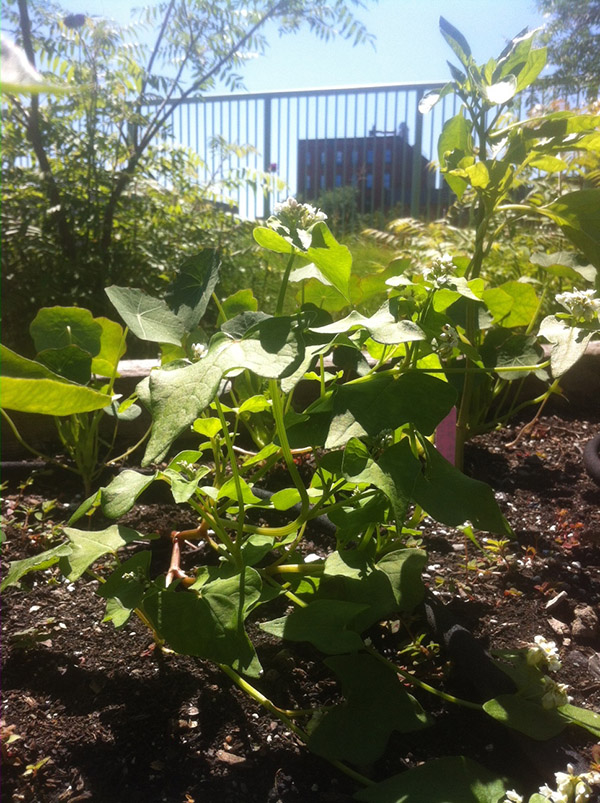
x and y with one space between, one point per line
93 191
71 379
381 388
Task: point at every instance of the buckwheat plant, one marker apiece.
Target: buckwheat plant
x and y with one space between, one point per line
571 787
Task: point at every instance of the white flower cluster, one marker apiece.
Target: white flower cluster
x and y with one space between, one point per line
570 788
447 340
441 270
295 217
544 654
555 694
198 350
582 304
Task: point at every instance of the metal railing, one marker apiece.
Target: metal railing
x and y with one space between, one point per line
313 143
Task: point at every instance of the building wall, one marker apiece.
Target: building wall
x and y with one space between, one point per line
379 166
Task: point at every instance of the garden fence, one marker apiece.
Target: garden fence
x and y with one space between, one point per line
357 150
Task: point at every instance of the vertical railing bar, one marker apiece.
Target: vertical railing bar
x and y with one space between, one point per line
345 159
278 157
415 201
256 181
239 170
405 155
355 166
385 114
375 112
267 152
394 165
429 160
287 150
248 158
364 186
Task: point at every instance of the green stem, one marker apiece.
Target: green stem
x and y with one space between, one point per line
285 448
29 448
235 472
284 716
131 448
450 698
284 284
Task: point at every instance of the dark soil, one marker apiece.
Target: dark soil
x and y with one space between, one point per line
102 716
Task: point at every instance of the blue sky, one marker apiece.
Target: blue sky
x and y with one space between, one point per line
409 46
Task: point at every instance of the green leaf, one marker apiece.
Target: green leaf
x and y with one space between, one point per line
193 287
87 547
285 499
589 720
455 138
332 259
478 175
564 264
569 343
525 716
457 42
326 623
209 427
549 164
515 351
148 318
501 92
270 239
368 408
229 491
112 348
512 303
207 627
376 704
453 779
30 387
124 589
178 396
444 492
382 326
119 496
70 361
19 568
387 588
237 303
59 327
577 214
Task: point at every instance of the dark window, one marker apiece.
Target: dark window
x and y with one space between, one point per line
338 181
354 157
388 155
322 157
308 158
339 156
369 181
370 156
387 181
322 182
307 182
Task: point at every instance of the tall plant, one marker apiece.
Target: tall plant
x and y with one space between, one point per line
81 196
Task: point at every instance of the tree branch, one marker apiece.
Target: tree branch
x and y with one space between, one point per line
164 111
35 137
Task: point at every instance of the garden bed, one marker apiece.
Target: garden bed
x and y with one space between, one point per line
102 716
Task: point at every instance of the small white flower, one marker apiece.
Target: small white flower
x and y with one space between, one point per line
555 695
513 797
199 350
544 654
582 304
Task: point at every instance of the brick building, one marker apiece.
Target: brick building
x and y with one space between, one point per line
380 166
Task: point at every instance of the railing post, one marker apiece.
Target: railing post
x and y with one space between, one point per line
415 190
267 154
